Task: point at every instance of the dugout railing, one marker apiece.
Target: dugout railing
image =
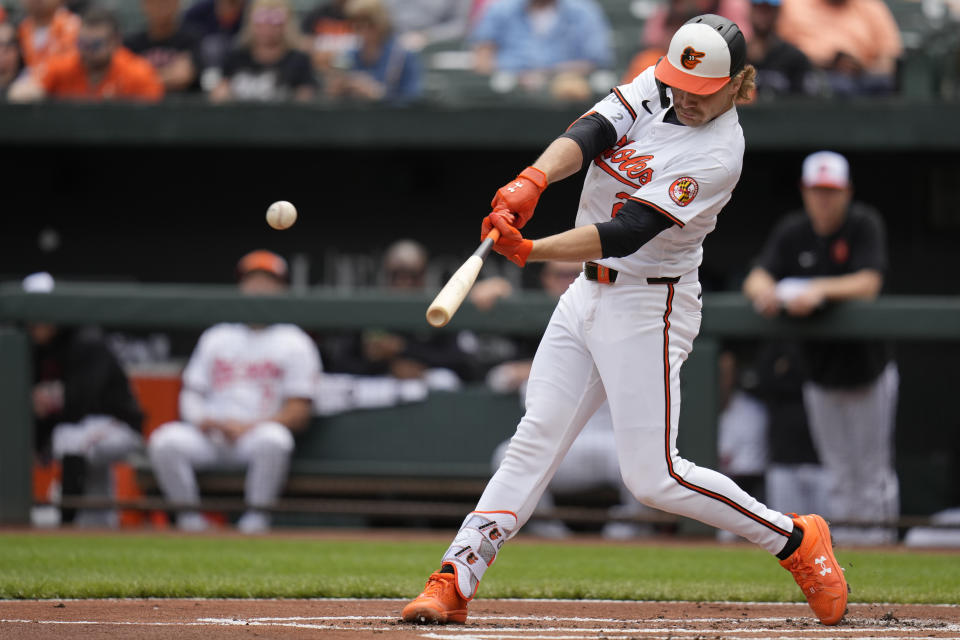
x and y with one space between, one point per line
381 434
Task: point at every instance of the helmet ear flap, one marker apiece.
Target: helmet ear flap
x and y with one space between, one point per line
662 90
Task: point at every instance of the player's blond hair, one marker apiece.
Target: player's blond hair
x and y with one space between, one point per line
748 87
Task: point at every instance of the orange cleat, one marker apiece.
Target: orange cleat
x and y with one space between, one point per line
440 602
816 570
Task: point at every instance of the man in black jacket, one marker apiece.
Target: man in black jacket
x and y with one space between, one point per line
832 251
85 414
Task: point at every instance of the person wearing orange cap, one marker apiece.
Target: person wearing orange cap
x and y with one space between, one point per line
246 390
662 156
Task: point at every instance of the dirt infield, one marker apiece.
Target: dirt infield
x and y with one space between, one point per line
489 620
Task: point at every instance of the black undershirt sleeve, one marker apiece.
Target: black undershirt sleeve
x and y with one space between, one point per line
634 225
593 133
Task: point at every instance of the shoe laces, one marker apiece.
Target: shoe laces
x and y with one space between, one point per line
435 586
808 575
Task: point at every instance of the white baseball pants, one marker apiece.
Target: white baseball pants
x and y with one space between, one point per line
853 431
177 449
100 440
624 342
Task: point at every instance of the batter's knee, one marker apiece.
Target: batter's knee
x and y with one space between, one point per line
645 485
646 497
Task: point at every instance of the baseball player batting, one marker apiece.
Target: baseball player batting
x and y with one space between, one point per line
663 154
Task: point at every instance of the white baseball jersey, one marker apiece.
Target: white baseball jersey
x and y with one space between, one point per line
624 341
685 173
246 373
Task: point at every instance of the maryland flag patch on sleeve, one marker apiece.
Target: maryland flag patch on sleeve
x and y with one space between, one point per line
684 190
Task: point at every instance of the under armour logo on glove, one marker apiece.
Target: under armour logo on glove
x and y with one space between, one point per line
520 195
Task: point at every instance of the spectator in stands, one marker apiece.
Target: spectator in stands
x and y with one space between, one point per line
436 357
379 68
835 250
527 42
169 45
330 36
216 23
85 414
591 463
11 64
48 29
422 22
782 69
100 69
268 65
660 27
246 390
856 42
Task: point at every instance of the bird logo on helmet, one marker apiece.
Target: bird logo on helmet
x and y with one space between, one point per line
691 58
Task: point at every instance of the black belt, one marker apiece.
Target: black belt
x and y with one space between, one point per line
606 275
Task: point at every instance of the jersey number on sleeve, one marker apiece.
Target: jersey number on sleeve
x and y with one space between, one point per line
616 205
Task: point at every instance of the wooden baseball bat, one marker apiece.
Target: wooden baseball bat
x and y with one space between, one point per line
451 296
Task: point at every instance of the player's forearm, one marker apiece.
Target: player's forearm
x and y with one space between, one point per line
860 285
179 74
561 159
192 407
26 89
761 290
758 282
294 414
577 244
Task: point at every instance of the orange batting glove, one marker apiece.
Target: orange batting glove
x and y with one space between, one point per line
487 225
511 244
520 195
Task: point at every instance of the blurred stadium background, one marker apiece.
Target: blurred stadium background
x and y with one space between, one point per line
132 195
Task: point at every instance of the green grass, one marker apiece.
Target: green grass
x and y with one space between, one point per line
79 566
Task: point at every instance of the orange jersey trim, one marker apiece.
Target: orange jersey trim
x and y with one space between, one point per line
673 474
624 102
674 219
588 113
500 511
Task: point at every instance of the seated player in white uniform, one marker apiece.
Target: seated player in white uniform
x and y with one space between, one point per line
246 389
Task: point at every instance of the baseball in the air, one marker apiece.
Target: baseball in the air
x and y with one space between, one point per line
281 215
